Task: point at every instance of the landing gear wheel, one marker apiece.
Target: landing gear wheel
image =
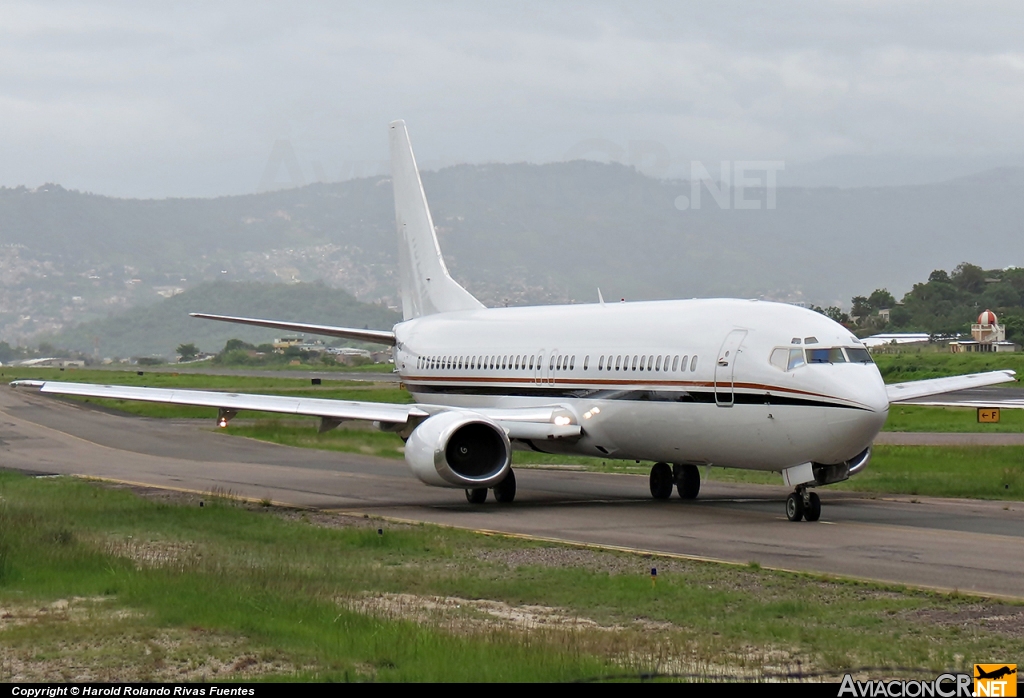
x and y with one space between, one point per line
812 512
794 506
687 478
476 496
505 491
661 481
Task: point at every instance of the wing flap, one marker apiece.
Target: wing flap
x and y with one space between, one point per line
901 392
375 336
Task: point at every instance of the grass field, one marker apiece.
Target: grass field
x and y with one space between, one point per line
101 584
951 419
896 368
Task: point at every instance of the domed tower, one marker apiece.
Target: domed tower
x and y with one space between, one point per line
988 329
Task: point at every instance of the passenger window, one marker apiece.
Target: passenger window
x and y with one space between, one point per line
693 363
618 362
600 363
635 359
572 362
531 362
650 362
551 365
586 361
657 366
675 362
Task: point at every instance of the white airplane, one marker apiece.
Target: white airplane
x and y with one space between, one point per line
732 383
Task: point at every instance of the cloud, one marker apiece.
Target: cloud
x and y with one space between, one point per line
188 99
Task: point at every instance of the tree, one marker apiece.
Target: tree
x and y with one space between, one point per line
881 299
939 275
861 308
187 352
968 277
235 344
832 312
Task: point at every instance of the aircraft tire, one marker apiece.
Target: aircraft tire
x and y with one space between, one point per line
794 506
687 478
661 481
505 491
812 512
477 495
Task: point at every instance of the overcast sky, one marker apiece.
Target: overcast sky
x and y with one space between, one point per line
182 99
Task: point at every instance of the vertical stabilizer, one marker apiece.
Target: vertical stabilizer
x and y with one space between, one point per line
426 286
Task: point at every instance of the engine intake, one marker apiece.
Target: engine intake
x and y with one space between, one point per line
459 449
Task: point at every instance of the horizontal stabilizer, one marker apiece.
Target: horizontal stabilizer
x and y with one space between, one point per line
375 336
901 392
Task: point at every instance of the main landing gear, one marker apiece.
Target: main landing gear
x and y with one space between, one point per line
803 504
684 476
504 491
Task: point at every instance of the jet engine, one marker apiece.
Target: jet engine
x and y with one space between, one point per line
459 449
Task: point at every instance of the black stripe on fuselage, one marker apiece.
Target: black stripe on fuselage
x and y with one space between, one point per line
642 395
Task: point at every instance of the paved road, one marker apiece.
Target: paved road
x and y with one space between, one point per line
969 545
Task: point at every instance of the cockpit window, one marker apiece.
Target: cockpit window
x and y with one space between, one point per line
832 355
786 359
858 355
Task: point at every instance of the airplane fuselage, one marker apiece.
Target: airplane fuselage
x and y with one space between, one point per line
734 383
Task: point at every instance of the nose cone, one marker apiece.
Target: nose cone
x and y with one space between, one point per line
854 429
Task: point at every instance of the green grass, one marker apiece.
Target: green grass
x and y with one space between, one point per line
897 368
981 472
950 420
244 582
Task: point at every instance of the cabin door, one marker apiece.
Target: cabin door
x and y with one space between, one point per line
725 368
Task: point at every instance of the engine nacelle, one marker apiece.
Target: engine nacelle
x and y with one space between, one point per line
459 449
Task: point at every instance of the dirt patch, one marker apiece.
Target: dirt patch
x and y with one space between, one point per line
154 553
114 652
1000 619
470 615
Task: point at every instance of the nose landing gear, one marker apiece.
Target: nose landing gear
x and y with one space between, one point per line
803 504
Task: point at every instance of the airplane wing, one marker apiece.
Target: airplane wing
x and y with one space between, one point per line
901 392
375 336
551 422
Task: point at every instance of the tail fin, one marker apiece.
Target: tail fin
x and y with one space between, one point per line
427 288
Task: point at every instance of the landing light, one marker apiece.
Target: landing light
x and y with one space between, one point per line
562 421
222 423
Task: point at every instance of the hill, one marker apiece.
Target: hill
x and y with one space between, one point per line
511 234
159 328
